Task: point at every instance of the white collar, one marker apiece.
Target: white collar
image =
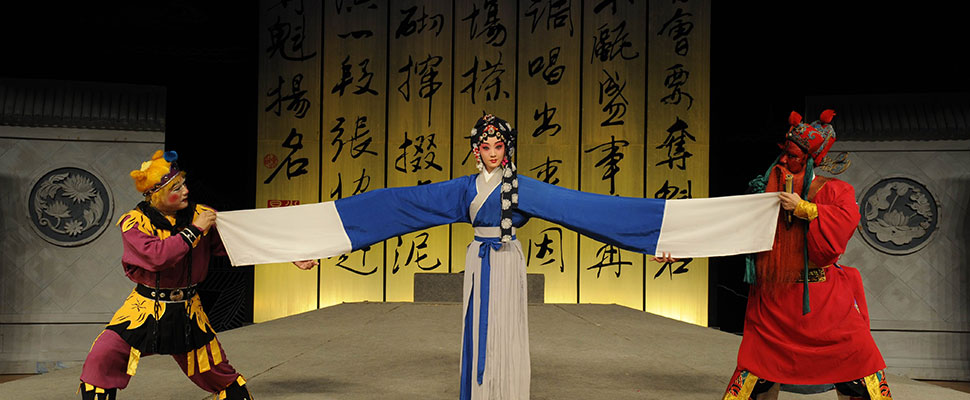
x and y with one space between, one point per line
488 175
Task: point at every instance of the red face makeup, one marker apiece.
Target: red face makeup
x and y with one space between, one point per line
792 157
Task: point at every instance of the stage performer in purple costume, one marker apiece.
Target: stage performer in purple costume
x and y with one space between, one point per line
806 321
168 242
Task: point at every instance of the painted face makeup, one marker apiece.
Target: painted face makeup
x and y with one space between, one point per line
492 153
177 198
792 157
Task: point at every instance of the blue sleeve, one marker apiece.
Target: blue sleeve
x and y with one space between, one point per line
381 214
626 222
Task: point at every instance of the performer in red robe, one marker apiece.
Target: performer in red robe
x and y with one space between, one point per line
806 321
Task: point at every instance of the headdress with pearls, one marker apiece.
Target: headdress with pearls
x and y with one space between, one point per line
491 126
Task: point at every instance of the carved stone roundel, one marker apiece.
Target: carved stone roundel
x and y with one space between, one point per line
899 215
69 206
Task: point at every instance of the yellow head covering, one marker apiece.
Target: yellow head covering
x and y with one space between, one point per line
156 173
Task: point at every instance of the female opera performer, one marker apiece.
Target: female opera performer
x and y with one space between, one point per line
495 338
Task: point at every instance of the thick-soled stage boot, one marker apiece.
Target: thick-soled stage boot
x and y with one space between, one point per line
853 390
89 392
236 392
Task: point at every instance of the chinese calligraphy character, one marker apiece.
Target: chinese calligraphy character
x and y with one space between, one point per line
546 124
363 183
423 146
408 26
669 267
669 192
283 33
559 14
611 161
294 167
547 171
551 72
346 78
616 106
491 84
297 103
609 257
611 43
286 4
676 145
428 72
676 78
678 28
602 4
545 248
363 262
416 254
361 133
495 32
339 5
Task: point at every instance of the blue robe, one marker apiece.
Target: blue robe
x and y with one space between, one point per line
495 339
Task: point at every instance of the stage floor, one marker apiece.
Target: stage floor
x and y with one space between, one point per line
411 351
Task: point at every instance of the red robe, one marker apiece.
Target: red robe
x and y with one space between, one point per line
832 343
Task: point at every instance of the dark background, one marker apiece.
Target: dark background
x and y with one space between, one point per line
765 59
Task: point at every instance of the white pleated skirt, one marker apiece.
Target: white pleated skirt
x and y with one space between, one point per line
507 369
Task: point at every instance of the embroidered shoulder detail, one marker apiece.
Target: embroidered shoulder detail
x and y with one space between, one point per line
133 217
199 208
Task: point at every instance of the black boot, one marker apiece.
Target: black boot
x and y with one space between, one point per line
109 394
238 392
854 389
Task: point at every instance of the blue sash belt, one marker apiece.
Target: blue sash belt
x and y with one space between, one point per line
485 254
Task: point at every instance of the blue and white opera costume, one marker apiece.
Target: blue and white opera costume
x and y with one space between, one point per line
684 228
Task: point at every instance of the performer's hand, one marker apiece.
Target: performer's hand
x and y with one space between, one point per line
789 200
665 259
306 264
205 220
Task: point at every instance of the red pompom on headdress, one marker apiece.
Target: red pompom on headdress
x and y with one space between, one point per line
827 116
815 138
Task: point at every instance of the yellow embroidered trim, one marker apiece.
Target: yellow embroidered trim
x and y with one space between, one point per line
129 219
216 352
203 360
815 275
877 386
190 360
222 395
133 358
198 314
806 210
746 380
89 387
137 309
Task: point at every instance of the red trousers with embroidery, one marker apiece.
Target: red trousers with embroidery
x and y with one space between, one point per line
107 365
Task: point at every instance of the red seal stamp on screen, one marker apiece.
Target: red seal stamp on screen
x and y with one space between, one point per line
270 161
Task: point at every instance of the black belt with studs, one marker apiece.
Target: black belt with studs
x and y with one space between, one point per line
165 294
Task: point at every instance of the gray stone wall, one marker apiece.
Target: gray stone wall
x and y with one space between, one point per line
55 299
919 303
